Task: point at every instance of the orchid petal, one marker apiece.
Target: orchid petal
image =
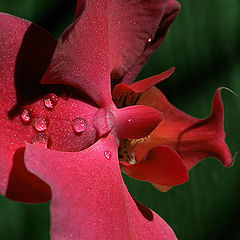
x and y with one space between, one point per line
84 184
146 84
161 165
194 139
122 89
81 58
145 34
137 121
89 51
25 53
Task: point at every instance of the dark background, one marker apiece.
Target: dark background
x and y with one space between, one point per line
203 44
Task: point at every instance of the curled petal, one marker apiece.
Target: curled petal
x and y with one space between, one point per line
214 144
90 200
161 165
137 121
122 89
194 139
146 84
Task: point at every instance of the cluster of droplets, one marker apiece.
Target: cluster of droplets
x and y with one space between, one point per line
40 124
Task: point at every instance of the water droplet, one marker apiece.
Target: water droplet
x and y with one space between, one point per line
50 101
25 116
149 40
40 124
108 154
79 125
130 120
41 139
103 121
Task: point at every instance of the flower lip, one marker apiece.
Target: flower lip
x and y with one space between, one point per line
161 165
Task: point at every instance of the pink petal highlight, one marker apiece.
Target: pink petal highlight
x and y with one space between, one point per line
90 200
136 121
161 165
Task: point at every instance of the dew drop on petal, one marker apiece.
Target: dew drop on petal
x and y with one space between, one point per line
50 101
108 154
130 119
41 139
79 125
25 116
150 41
40 124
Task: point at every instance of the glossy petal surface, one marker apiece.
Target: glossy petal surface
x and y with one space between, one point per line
96 204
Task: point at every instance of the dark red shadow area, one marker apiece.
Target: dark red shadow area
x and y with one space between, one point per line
147 213
32 61
25 184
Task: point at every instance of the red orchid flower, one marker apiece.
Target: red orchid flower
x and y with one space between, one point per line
64 132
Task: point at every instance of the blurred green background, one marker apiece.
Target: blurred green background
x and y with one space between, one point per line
203 45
